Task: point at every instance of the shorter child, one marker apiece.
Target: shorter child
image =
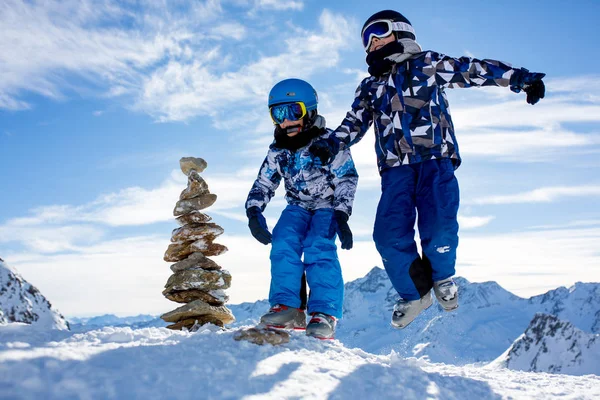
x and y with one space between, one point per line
319 200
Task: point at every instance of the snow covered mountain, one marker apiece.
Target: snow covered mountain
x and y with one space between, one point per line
487 322
22 302
555 346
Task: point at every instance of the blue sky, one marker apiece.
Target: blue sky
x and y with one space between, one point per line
99 100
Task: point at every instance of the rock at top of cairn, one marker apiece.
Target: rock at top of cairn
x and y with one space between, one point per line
189 164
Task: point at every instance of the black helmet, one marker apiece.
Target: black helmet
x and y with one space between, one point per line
402 31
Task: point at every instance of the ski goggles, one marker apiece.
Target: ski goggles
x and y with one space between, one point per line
290 111
382 28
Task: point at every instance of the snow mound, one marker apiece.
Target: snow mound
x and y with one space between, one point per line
160 363
552 345
22 302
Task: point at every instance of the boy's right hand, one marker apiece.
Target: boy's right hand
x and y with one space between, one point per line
342 229
258 225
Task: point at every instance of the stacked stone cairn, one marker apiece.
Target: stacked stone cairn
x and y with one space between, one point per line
197 281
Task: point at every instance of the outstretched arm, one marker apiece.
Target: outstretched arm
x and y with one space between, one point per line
353 127
466 72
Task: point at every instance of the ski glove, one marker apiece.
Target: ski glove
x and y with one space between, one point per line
530 82
535 91
324 150
258 225
342 229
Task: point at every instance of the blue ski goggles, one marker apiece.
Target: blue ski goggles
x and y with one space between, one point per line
383 28
290 111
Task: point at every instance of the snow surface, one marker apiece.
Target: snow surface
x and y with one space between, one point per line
152 363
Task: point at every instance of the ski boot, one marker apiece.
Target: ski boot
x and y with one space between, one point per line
405 311
321 326
284 317
446 292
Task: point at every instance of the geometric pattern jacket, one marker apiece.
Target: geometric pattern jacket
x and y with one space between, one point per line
308 183
409 107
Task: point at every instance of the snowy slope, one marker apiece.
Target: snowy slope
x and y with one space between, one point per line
552 345
100 321
156 363
22 302
487 322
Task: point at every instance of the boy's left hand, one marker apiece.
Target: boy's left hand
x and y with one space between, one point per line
342 229
530 82
535 91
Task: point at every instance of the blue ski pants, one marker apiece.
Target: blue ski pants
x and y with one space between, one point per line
430 189
301 231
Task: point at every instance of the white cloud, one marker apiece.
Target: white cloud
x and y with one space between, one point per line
472 222
533 262
280 5
540 195
128 207
127 276
233 30
42 42
181 90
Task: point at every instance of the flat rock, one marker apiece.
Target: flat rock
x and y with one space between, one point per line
195 261
207 232
188 164
180 250
198 308
195 204
209 249
192 323
194 217
198 279
261 335
187 296
197 186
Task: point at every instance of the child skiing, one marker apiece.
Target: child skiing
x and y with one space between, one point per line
319 200
417 154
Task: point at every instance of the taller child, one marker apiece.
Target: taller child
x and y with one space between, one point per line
417 153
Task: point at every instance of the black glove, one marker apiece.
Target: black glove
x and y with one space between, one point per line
258 225
535 91
530 82
342 229
323 151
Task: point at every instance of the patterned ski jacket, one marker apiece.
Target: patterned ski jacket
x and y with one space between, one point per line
308 183
410 108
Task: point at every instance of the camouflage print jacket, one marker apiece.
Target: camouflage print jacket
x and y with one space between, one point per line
410 108
308 184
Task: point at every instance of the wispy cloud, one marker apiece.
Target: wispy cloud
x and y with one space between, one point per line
280 5
167 58
181 90
540 195
472 222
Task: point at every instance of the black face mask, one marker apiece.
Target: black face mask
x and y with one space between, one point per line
283 141
378 65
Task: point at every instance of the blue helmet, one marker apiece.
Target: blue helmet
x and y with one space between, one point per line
291 90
